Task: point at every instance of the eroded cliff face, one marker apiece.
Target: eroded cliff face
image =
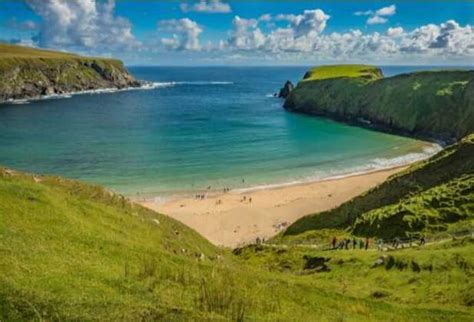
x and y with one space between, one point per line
432 105
32 77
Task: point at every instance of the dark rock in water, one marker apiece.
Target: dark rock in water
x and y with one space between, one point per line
286 89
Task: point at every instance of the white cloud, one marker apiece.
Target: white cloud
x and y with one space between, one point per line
304 38
185 34
376 20
207 6
26 25
386 11
379 16
298 36
82 24
364 13
266 17
395 32
449 38
246 35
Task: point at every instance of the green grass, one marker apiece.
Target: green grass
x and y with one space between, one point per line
72 251
347 71
425 197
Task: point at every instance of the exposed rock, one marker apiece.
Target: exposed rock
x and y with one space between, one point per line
379 261
318 264
286 89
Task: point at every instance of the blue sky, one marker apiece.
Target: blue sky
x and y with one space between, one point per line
216 32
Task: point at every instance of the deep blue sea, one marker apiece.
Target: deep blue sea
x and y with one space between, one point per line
197 127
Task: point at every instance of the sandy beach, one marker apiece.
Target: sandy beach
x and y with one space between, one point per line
227 219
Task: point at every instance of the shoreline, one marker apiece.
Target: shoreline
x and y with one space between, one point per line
429 149
238 217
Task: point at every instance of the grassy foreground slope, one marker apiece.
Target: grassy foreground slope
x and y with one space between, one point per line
28 73
72 251
434 104
427 197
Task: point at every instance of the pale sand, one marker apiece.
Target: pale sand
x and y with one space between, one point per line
235 222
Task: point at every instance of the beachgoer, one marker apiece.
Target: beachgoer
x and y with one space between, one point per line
245 198
250 199
258 240
334 241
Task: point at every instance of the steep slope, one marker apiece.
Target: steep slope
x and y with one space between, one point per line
72 251
435 104
427 196
29 73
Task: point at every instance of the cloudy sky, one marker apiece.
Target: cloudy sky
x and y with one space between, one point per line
218 32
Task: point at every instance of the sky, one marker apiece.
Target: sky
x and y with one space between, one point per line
220 32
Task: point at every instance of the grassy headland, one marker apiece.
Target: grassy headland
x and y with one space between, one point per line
434 104
28 73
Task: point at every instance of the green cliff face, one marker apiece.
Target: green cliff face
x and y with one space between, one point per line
432 195
435 104
29 73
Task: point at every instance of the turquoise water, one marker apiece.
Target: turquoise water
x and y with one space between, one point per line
199 127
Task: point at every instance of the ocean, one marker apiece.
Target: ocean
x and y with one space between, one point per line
195 127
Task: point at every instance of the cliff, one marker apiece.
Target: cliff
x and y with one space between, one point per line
29 73
433 105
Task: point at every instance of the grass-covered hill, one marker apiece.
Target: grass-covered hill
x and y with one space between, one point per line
432 104
72 251
346 71
430 196
28 73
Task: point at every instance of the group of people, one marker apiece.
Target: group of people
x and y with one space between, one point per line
200 196
347 242
244 199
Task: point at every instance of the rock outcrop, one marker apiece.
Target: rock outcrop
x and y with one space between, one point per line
27 73
286 89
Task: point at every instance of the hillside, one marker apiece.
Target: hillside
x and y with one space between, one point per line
343 71
435 104
427 197
29 73
72 251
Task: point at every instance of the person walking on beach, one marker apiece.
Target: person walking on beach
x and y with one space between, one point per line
250 199
367 243
334 241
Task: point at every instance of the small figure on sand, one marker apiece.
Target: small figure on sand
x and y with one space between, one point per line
250 199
